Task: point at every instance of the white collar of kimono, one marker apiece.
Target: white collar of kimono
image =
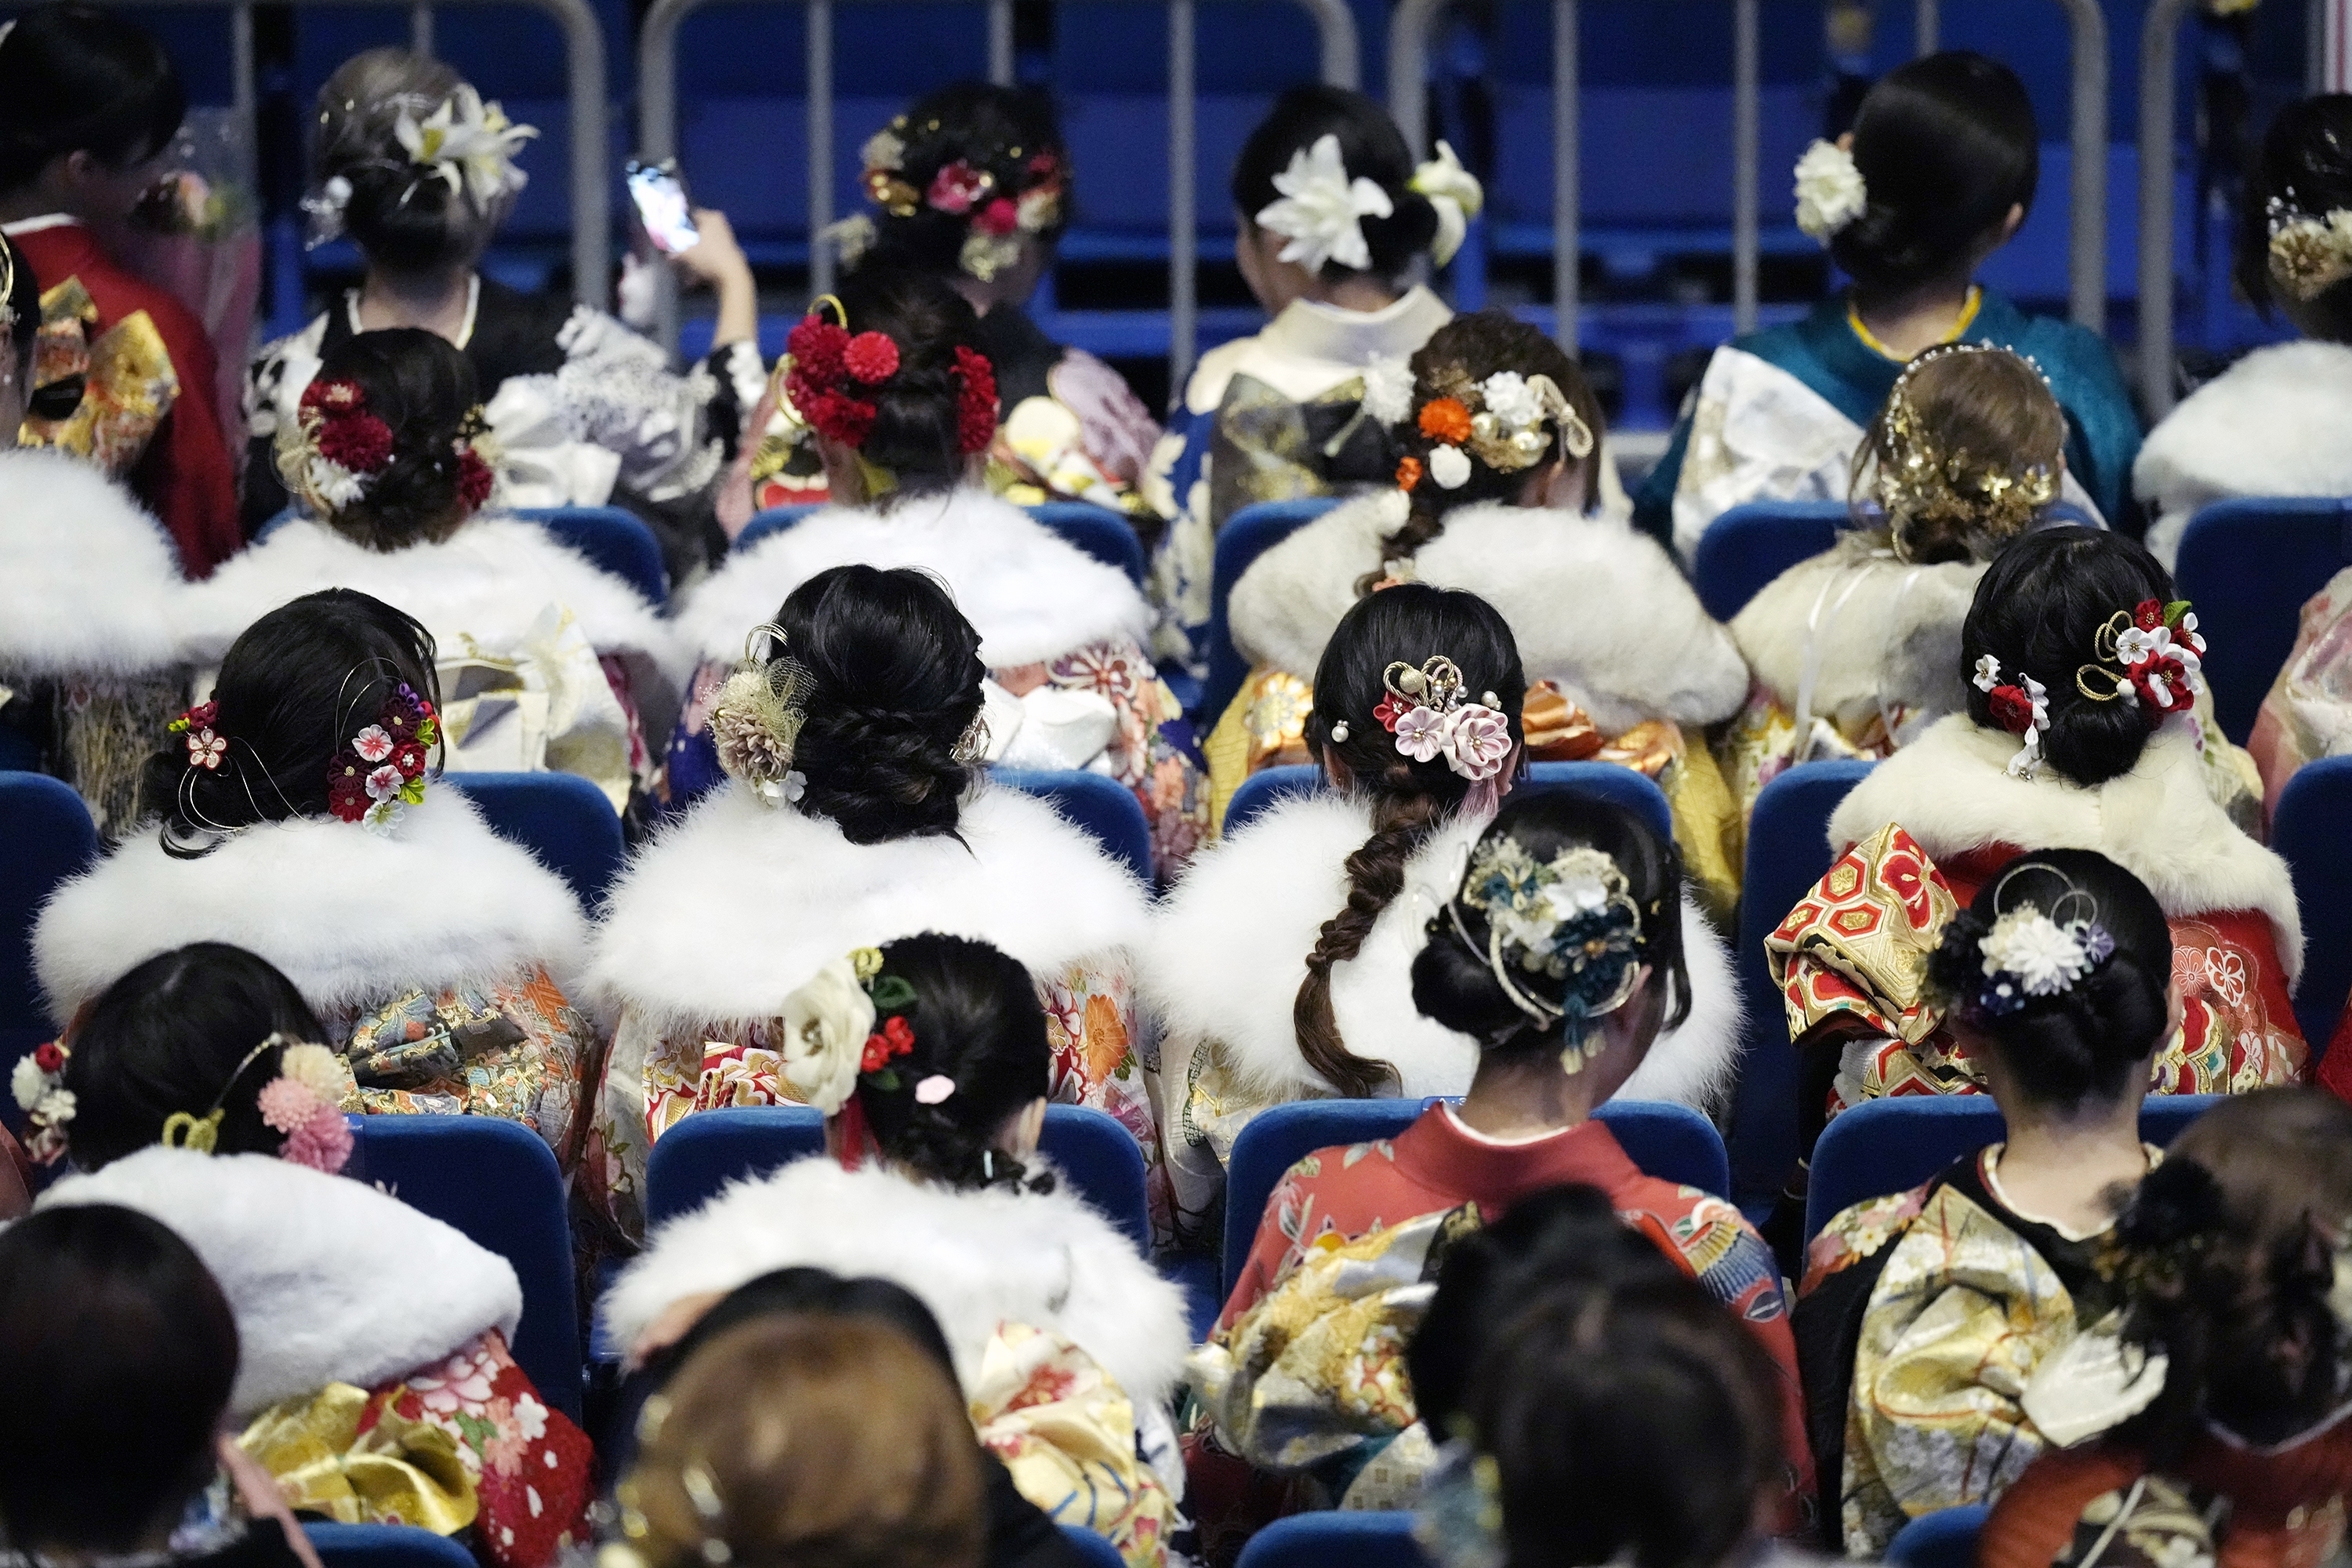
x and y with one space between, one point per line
465 327
1311 330
35 225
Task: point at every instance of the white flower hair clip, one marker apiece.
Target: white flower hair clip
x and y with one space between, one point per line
2020 707
1831 193
1426 710
1321 210
1456 194
470 144
1571 919
2309 254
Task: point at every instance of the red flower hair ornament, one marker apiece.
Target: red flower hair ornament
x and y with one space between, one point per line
832 378
335 449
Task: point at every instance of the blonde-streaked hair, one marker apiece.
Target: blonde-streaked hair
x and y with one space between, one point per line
1966 452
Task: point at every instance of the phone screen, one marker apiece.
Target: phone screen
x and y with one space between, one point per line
660 197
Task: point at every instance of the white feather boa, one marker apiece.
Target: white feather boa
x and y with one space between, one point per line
329 1279
976 1259
1594 605
89 584
1031 594
2271 424
728 912
1887 634
350 916
1950 790
1229 949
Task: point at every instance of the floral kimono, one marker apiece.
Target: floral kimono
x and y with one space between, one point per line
2308 713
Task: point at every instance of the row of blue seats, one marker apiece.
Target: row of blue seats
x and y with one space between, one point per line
406 1546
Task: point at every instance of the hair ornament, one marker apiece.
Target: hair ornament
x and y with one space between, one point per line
832 378
479 456
757 720
847 1023
207 747
999 193
1571 918
1456 194
1340 733
2025 953
469 144
1510 421
1831 192
1321 211
2149 656
936 1090
2309 254
380 772
38 1083
1917 480
2020 707
1425 712
8 270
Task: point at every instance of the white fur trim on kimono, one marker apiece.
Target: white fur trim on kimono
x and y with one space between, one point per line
2271 424
89 581
1229 949
1882 634
976 1259
350 916
1951 790
1594 605
1031 594
726 913
1312 347
329 1279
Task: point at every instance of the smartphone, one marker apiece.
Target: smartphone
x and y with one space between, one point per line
663 210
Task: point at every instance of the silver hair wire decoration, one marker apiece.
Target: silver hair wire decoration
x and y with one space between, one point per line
1571 919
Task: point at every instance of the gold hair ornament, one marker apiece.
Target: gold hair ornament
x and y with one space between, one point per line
1916 480
2309 254
757 720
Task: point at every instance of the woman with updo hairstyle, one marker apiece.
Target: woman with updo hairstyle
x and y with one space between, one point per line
932 1062
302 814
1938 173
585 412
198 1092
2080 732
1559 1013
1504 490
2215 1430
392 458
1333 214
856 811
1280 963
1925 1314
901 405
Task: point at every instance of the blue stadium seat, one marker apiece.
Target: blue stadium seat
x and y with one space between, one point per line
1101 805
1670 1141
1634 791
562 818
1890 1146
1247 534
1946 1539
1097 530
702 1153
1788 850
2308 833
1742 550
2248 565
384 1546
1348 1540
496 1182
775 520
1096 1550
46 836
1266 788
615 539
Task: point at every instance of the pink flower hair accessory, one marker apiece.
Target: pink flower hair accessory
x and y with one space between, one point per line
39 1085
304 1102
1427 711
207 747
2150 657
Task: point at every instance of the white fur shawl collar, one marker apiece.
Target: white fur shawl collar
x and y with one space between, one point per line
730 911
329 1279
487 581
89 584
1594 605
1229 949
2271 424
1950 790
350 916
976 1259
1031 594
1887 633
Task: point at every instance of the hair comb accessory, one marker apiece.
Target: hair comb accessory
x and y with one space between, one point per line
1831 192
2309 254
1571 919
1321 211
756 723
380 774
207 747
2020 707
2150 657
38 1083
1456 194
1425 712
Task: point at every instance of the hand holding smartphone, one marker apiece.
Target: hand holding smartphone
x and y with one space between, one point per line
663 211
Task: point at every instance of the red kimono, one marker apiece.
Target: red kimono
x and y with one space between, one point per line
148 415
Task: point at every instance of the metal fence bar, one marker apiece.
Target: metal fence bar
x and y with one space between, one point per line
2086 259
1567 174
1183 220
820 144
2159 42
420 31
1927 27
1746 131
999 42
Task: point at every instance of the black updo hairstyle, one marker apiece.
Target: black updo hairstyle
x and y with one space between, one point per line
977 1021
2088 1041
1371 146
1452 984
293 690
915 425
1946 146
423 387
2038 609
175 1034
1411 623
74 79
894 685
119 1354
999 130
2230 1246
2306 168
406 217
23 303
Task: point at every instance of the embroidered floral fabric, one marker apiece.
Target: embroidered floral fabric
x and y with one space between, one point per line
129 381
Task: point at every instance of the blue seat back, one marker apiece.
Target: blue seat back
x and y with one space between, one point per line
775 520
1747 546
2248 565
1788 851
1890 1146
1634 791
616 540
2308 833
46 836
1105 807
564 820
384 1546
1266 788
1247 534
1095 1550
497 1183
1945 1538
1670 1141
705 1152
1097 530
1347 1539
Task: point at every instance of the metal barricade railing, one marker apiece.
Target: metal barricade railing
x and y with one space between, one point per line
657 131
584 48
1409 32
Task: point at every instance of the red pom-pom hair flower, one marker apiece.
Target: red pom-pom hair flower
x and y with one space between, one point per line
2020 707
360 442
821 353
976 401
474 479
342 444
894 1037
870 358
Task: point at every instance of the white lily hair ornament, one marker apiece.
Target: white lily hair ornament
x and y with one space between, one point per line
469 144
1321 210
1831 192
1456 194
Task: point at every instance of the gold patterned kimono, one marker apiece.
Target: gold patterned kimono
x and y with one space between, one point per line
1066 1430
